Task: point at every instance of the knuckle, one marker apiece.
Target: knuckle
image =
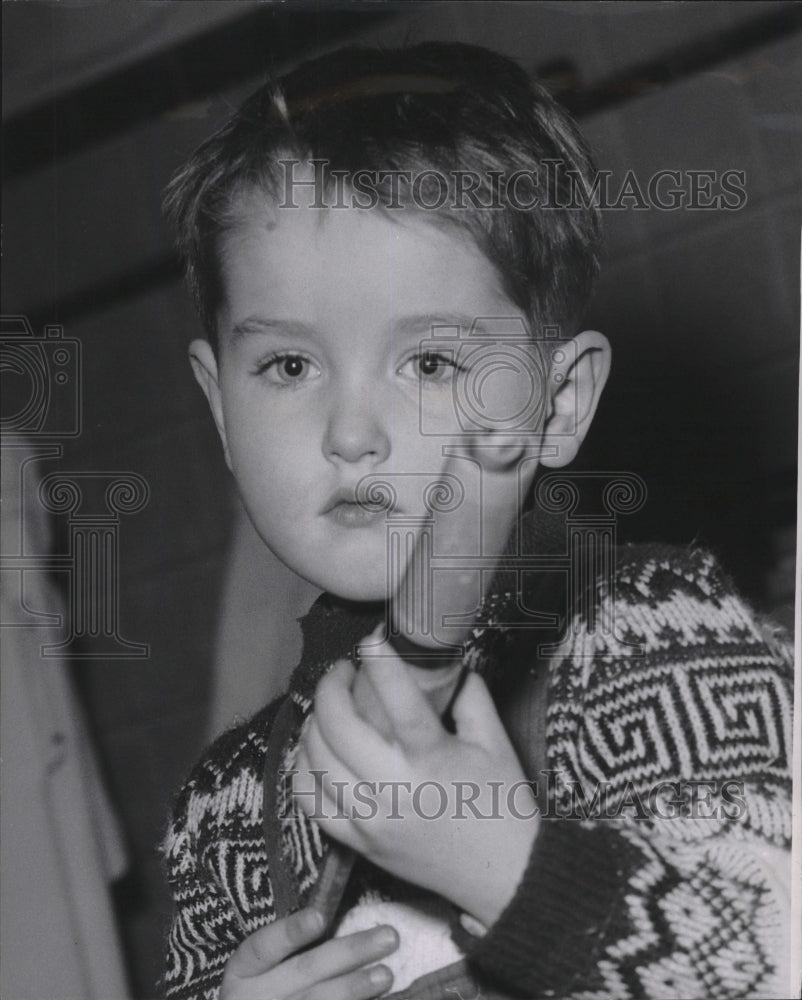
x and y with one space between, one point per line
357 946
254 950
325 688
316 993
475 681
352 986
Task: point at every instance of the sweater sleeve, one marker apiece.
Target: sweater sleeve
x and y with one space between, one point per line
662 866
204 931
215 862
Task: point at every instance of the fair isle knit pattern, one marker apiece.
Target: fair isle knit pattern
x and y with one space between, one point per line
685 688
708 700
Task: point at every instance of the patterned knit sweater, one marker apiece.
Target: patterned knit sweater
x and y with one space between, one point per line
662 867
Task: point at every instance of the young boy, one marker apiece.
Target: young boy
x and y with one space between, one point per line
362 239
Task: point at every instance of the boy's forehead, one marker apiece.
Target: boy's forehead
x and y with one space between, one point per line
304 259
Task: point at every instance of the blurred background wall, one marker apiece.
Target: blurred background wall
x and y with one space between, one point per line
103 100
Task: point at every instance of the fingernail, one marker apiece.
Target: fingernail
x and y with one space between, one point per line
312 921
380 976
373 640
386 937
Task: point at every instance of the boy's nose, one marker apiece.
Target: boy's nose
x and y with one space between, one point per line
355 431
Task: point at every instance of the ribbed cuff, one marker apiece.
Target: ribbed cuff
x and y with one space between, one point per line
566 907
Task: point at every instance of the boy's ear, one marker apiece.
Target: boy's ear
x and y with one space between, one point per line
578 382
204 367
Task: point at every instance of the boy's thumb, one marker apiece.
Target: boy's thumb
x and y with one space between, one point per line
475 714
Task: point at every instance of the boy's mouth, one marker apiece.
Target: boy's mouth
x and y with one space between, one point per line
343 508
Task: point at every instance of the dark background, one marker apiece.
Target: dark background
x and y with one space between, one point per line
103 101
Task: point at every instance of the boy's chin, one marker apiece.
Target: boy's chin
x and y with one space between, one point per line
352 586
357 591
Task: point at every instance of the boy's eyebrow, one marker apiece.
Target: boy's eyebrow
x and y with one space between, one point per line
262 324
426 323
413 324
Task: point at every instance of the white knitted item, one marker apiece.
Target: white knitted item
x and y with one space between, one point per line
423 929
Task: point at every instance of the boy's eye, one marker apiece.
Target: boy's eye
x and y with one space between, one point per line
287 369
432 366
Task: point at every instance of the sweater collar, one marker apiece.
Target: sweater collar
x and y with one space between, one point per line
331 630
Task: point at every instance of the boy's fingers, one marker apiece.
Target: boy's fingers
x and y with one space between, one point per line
313 793
329 798
415 722
475 715
278 952
345 671
325 798
360 985
270 945
307 785
341 726
369 706
311 974
321 759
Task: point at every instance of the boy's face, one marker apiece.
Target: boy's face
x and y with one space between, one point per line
320 379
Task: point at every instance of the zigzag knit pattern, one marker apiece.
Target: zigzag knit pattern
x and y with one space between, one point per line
637 894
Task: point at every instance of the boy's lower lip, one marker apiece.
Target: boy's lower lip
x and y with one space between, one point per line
354 515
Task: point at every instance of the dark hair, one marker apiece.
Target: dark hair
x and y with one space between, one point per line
435 110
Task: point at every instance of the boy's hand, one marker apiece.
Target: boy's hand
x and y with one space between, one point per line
272 964
451 813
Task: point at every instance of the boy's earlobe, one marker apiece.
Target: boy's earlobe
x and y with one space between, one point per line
579 380
204 367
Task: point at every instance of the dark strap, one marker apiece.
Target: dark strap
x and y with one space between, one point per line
332 881
285 892
538 762
521 690
523 713
336 867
